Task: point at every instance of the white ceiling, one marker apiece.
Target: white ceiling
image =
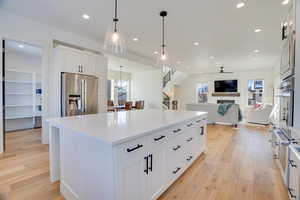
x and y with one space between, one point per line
221 29
20 47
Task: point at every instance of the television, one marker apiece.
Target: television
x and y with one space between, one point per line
226 86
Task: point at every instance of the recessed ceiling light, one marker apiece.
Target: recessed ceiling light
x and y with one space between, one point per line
211 57
285 2
135 39
85 16
257 30
256 51
196 43
21 46
155 52
240 5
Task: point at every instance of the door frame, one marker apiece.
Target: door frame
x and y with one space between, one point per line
2 135
44 72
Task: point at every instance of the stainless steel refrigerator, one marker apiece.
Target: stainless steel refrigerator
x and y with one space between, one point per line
79 94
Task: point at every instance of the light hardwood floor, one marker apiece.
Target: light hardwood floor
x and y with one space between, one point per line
237 166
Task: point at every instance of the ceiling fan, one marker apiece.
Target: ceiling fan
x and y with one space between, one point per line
222 71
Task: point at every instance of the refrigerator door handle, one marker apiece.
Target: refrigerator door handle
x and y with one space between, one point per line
85 96
82 95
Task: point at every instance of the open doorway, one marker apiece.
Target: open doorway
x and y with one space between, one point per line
22 94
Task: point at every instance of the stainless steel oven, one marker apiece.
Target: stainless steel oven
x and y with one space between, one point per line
287 104
287 65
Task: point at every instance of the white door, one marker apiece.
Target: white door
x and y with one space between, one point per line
157 177
73 61
89 64
133 179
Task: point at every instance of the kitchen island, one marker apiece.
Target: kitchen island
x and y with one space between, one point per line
132 155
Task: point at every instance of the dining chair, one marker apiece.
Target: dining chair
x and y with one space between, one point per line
110 103
128 105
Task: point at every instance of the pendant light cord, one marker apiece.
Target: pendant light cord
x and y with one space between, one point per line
163 35
115 20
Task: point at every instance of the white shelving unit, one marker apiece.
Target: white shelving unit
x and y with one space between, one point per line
22 102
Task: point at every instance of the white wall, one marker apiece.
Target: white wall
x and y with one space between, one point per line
147 86
186 92
27 31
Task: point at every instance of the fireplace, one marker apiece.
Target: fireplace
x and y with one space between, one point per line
225 101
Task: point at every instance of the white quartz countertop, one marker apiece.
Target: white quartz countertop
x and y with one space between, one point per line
119 127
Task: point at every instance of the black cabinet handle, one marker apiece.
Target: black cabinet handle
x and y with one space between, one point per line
291 193
147 163
176 148
177 170
292 163
177 130
161 137
190 139
135 148
202 131
151 162
79 68
189 158
189 125
198 121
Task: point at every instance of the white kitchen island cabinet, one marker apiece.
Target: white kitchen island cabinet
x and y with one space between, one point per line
133 155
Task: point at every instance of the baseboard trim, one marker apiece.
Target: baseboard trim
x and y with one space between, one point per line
67 192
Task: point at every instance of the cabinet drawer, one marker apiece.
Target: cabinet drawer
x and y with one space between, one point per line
176 130
132 149
158 139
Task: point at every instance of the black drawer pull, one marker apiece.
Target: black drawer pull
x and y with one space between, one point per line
147 164
135 148
291 194
189 158
177 170
177 130
161 137
176 148
202 131
198 121
292 163
190 139
189 125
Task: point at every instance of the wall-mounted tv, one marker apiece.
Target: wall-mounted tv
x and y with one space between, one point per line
226 86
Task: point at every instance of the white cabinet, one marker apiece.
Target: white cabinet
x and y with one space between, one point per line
137 169
294 174
132 176
76 61
156 178
154 162
73 61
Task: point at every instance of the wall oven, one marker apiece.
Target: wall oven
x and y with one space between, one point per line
287 105
287 65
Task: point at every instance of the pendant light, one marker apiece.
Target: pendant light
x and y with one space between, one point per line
163 58
114 41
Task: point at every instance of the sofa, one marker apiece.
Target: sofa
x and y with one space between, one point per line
230 117
260 115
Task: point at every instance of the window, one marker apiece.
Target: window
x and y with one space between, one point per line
122 89
202 92
255 92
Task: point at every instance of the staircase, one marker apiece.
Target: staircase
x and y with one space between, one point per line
171 78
